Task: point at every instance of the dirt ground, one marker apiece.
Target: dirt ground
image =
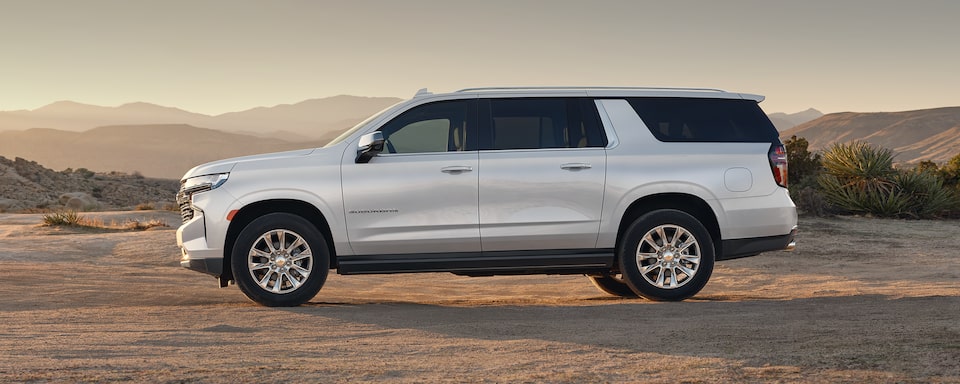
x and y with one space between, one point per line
861 300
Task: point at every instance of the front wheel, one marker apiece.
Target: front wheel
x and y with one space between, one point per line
666 255
280 260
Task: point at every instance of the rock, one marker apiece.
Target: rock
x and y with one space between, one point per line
78 201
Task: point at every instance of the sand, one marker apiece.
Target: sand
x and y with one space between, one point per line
860 300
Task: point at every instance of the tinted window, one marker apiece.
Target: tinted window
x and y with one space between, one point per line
543 123
436 127
705 120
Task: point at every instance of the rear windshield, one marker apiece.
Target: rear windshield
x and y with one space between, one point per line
705 120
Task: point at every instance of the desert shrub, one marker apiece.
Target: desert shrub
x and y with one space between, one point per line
802 172
925 193
62 218
860 178
145 207
950 172
809 200
85 173
803 164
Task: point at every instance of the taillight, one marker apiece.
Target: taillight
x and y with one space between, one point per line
778 163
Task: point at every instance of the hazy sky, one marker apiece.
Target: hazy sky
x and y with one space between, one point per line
219 56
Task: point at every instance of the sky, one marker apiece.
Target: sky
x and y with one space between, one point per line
212 56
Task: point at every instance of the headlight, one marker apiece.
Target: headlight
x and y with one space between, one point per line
205 182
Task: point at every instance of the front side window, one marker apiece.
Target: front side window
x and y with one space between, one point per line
443 126
533 123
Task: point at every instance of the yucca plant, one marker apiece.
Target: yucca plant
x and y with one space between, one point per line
860 178
925 193
62 218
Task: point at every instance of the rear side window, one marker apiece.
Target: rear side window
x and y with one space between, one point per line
705 120
533 123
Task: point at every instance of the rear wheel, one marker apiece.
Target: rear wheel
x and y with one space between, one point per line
280 260
666 255
612 284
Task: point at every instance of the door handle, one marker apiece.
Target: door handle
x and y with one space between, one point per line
575 166
455 169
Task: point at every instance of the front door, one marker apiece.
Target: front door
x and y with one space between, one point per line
420 194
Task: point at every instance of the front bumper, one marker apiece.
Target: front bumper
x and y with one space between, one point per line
196 254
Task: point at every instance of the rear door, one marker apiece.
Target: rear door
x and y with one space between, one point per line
542 170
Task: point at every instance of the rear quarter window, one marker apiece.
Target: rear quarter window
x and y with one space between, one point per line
705 120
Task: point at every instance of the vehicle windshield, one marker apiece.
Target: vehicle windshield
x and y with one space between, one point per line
343 136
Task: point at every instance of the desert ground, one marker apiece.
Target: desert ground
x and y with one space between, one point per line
860 300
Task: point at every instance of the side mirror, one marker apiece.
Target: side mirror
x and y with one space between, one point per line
369 146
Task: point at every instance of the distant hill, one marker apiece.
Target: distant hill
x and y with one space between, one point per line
927 134
785 121
165 151
311 119
28 185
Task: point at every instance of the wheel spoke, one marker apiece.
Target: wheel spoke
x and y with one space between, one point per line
268 239
278 283
265 280
646 269
663 236
294 283
303 271
687 271
660 276
296 243
692 259
645 255
258 253
673 277
302 255
649 240
259 266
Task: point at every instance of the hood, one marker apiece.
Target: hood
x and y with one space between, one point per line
226 165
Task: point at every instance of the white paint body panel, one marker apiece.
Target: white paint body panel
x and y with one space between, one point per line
509 200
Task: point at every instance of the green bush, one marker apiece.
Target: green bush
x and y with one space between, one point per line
860 178
925 193
802 172
950 172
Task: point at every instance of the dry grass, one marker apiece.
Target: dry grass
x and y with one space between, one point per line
145 207
74 219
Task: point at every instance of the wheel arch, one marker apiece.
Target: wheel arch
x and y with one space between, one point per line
252 211
688 203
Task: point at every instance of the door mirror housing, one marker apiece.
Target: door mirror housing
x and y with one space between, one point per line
369 146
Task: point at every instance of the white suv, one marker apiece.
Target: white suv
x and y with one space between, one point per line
641 189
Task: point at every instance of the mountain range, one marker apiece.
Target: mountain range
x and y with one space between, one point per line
308 119
784 121
926 134
165 142
161 150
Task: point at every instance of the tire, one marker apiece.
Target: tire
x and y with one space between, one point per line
280 260
612 284
666 255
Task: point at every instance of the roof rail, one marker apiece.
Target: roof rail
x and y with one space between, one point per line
588 88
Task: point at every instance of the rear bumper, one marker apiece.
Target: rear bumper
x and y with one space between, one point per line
736 248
